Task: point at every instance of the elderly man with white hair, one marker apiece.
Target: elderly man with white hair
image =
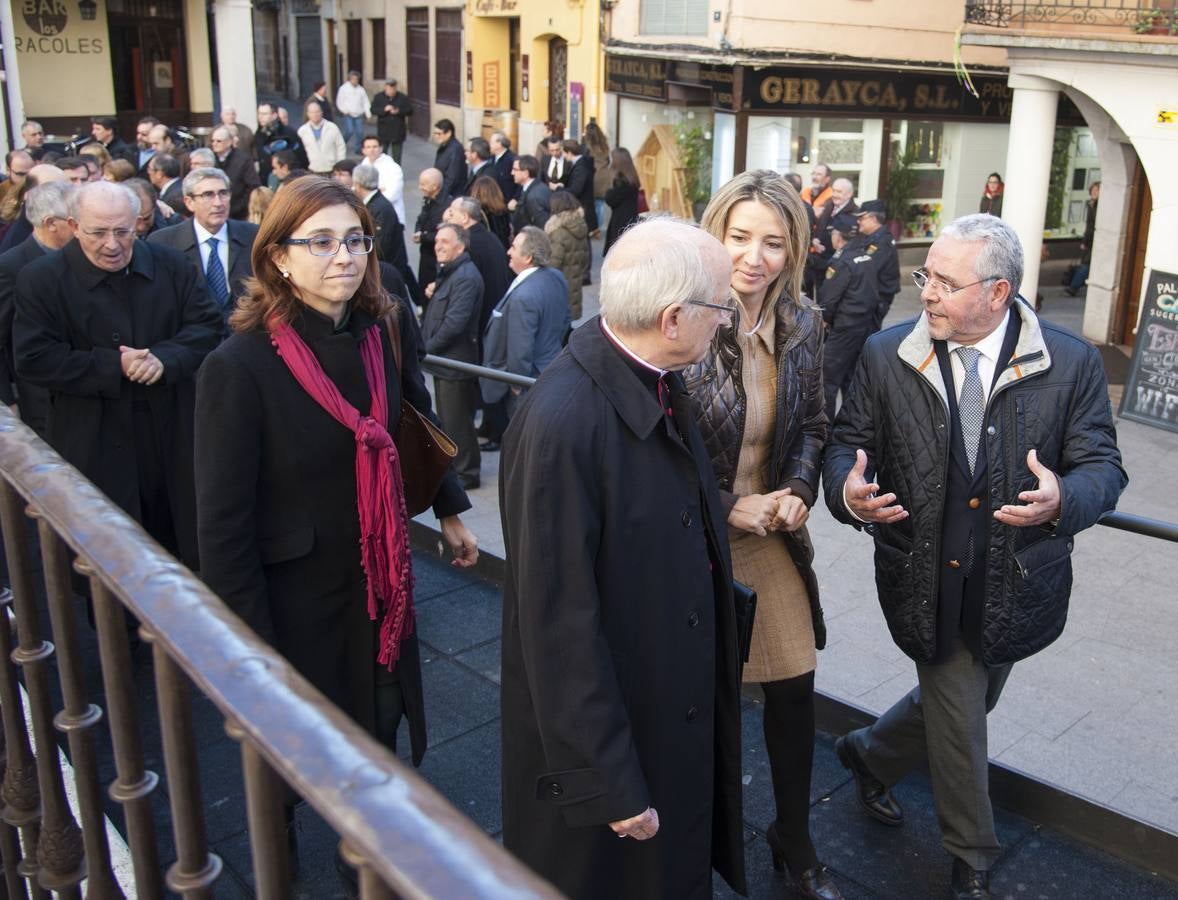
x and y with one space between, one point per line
46 208
115 329
243 177
621 676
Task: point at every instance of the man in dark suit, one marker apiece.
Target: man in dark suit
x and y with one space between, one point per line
104 130
434 204
531 207
392 109
163 171
478 158
485 251
115 328
556 169
223 265
163 144
272 137
580 180
240 169
47 207
503 160
450 328
618 584
975 442
390 233
528 324
449 160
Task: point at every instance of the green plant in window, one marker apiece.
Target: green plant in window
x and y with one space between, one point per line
1057 182
901 183
695 152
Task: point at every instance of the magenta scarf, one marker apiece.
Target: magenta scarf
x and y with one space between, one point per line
380 492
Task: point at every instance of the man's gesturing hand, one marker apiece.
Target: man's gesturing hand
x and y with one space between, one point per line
640 827
862 496
1042 505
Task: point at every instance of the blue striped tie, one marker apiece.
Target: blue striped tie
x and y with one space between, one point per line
215 275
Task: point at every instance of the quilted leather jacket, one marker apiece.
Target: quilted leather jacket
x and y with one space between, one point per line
800 430
1052 396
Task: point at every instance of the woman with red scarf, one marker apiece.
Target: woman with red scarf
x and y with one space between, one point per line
301 513
992 195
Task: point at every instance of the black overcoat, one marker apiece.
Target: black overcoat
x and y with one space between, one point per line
391 126
34 400
69 325
620 678
276 507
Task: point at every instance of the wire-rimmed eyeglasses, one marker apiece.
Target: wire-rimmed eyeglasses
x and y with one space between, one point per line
721 307
922 279
326 245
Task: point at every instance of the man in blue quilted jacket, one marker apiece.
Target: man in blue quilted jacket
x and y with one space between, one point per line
974 443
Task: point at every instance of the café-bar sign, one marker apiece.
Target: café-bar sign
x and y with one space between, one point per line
647 78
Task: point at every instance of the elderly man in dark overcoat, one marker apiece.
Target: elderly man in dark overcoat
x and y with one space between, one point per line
974 443
115 329
620 676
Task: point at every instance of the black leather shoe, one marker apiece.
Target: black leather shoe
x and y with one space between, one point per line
969 883
468 484
873 796
813 884
489 446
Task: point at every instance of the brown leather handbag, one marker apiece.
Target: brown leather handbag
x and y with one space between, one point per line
425 450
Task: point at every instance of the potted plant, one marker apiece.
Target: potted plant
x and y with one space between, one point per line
901 189
695 153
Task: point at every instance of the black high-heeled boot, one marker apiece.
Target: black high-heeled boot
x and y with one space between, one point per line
814 883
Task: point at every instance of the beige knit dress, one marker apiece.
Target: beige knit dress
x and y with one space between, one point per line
783 633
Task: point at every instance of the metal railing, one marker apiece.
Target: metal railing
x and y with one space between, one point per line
402 835
1138 16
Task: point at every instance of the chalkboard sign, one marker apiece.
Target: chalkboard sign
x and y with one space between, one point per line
1151 391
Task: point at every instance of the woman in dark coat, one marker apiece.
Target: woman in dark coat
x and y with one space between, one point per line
278 489
490 196
758 400
622 197
992 195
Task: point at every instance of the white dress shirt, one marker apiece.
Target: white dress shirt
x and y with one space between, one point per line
555 168
990 348
202 241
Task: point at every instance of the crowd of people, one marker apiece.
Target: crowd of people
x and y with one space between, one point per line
226 341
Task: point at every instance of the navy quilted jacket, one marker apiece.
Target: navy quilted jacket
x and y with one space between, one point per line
1052 396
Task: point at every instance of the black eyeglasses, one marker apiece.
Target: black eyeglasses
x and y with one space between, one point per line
719 306
326 245
921 278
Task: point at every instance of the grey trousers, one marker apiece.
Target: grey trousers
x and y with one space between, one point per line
457 400
943 720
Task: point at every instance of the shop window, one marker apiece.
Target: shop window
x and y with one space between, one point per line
841 126
674 17
448 37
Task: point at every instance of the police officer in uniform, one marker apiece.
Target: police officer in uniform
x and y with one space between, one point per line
849 297
872 216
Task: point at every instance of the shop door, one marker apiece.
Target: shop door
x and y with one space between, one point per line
355 40
1133 261
558 79
150 69
309 34
513 64
418 87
